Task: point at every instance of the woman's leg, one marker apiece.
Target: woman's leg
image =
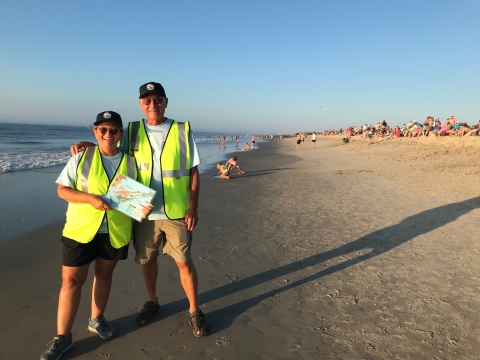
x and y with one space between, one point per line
102 283
73 279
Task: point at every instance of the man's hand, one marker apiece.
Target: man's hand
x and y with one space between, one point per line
191 218
99 203
80 146
146 210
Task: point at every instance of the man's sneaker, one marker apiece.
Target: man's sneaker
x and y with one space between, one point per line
58 346
149 310
101 327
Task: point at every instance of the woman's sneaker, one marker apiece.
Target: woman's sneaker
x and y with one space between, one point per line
101 327
58 346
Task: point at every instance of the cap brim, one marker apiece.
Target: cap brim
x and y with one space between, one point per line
96 123
152 92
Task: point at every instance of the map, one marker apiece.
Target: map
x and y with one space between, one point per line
129 196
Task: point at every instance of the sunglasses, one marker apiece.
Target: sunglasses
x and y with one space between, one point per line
103 130
157 101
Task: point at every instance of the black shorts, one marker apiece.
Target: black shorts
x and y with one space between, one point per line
314 140
298 142
78 254
253 142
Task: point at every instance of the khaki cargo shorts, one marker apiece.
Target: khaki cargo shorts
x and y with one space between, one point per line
172 235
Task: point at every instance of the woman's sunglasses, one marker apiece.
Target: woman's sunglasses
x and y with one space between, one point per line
103 130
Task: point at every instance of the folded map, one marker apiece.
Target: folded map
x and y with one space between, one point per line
129 196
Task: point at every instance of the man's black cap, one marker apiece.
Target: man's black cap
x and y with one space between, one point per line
150 88
111 116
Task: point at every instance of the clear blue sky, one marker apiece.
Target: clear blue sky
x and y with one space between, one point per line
241 66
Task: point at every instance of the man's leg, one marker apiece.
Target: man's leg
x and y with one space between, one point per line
148 238
73 279
150 274
189 280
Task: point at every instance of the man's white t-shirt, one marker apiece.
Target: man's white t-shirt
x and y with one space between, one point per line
157 135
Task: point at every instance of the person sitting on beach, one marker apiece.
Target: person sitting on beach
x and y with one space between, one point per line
247 147
474 130
417 130
93 232
452 121
232 164
428 125
461 130
223 171
395 133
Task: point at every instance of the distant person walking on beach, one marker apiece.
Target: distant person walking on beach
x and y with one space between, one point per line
167 164
314 139
299 140
369 135
93 231
253 140
236 138
232 164
302 135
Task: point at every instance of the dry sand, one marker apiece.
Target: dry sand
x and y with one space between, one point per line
346 251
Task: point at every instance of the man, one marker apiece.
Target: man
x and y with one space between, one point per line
167 158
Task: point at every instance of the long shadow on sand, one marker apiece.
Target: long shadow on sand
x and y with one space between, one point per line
379 242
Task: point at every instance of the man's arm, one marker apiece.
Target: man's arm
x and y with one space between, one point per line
191 216
80 146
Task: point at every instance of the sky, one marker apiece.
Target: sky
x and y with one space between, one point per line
271 66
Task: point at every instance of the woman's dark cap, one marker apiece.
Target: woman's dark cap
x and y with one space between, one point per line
110 116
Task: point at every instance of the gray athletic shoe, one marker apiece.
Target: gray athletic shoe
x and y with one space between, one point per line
58 346
101 327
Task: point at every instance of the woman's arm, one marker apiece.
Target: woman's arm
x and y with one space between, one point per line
77 197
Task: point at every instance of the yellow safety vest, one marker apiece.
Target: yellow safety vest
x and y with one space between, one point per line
83 220
174 160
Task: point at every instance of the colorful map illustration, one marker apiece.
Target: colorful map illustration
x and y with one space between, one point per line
129 196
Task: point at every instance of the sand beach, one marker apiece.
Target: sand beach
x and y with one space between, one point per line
345 251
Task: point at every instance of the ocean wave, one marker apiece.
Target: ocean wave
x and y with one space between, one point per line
39 160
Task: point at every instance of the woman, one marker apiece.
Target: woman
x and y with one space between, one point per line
314 139
93 231
299 140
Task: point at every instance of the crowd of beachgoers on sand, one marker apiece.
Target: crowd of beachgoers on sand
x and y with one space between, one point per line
430 127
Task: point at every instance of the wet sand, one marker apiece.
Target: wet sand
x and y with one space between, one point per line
337 252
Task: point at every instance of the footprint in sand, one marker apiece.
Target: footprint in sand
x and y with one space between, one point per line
222 341
127 288
28 305
102 356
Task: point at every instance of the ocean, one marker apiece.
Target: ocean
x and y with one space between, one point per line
33 146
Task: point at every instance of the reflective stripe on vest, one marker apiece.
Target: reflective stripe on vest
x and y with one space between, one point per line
83 220
175 162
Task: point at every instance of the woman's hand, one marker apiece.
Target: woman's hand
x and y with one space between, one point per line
99 203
